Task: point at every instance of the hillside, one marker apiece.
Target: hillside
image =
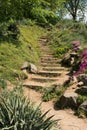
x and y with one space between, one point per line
56 59
14 53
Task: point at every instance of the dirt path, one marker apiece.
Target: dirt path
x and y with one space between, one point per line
50 72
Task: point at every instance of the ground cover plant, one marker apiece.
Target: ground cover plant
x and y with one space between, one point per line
52 93
17 112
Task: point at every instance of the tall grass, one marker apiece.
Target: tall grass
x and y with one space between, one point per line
14 54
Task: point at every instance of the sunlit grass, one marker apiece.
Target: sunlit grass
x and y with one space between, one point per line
13 55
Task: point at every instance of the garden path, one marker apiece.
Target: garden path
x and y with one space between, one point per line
51 73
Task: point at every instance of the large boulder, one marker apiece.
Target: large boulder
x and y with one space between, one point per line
69 58
82 90
32 68
82 78
69 99
29 67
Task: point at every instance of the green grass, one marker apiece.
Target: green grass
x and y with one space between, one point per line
63 34
14 54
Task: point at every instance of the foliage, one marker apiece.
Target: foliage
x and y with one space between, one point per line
39 10
62 35
60 51
16 112
51 93
9 31
81 99
13 31
81 113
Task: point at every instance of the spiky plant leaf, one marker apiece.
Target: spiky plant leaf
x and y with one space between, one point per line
18 113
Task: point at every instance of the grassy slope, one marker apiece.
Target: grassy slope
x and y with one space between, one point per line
13 55
64 33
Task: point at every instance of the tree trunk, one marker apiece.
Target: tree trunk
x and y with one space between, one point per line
74 17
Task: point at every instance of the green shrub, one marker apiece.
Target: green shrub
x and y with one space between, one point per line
13 31
81 113
51 93
17 113
60 51
81 99
9 31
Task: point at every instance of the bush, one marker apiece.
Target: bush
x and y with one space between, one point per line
81 99
52 92
9 31
80 112
60 51
17 113
13 31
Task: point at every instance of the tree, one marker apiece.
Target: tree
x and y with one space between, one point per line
75 6
42 11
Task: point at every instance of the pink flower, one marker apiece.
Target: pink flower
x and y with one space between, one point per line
84 53
82 67
76 48
76 43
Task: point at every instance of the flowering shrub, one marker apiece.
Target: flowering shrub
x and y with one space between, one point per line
84 55
83 65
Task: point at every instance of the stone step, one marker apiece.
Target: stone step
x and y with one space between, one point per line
48 54
49 73
33 86
33 83
49 65
42 80
36 85
50 61
53 68
48 58
45 49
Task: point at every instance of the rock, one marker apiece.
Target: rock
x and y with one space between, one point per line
80 84
25 65
82 90
32 68
69 99
83 106
69 58
82 78
73 79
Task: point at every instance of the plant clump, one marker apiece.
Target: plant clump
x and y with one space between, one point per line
52 93
18 113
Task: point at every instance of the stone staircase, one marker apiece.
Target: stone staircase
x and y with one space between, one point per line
50 71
